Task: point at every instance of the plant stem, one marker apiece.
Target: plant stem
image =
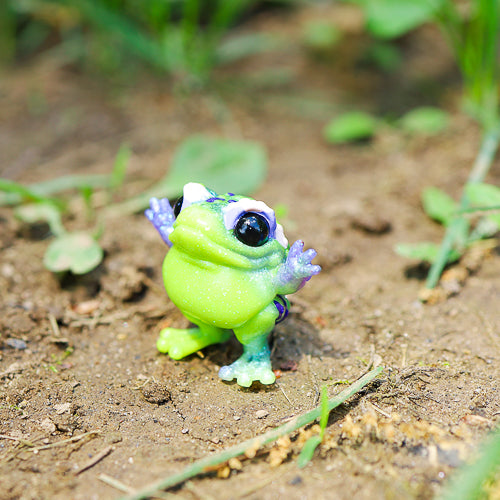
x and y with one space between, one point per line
478 172
207 463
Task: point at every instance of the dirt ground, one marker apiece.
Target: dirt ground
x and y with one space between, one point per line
78 364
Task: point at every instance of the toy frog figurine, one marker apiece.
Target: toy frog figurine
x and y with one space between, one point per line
229 268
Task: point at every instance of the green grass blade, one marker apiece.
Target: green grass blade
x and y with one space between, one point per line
466 484
325 412
207 463
313 442
308 450
11 190
120 167
14 192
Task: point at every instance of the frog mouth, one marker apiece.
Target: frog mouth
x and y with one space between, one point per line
199 246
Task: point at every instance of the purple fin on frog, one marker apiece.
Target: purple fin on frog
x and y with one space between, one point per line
162 217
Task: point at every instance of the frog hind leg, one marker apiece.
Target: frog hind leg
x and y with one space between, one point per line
181 342
255 362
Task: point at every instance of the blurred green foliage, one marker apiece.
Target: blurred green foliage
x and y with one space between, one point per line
183 38
472 28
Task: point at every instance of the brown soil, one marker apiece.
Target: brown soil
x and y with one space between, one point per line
77 355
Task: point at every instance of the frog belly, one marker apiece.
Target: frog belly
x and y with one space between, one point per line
217 295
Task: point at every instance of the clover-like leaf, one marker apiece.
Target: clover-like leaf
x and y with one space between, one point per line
77 252
425 251
438 205
425 120
353 126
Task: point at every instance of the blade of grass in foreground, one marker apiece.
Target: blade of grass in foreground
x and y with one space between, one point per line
207 463
467 482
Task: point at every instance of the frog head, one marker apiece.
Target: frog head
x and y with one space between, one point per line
227 230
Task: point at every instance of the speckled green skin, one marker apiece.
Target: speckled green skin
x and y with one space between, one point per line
220 285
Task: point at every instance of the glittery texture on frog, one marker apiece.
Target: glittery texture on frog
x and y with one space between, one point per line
228 269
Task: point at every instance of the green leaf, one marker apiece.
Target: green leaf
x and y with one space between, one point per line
393 18
321 35
76 252
425 120
223 165
308 450
483 195
423 251
36 212
348 127
438 205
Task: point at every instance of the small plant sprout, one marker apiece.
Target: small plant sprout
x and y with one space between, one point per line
443 209
77 251
313 442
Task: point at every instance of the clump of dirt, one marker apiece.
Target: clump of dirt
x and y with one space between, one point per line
85 397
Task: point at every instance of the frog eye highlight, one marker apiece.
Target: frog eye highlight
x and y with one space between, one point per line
252 229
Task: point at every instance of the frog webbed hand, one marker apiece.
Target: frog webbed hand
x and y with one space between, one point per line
297 269
162 217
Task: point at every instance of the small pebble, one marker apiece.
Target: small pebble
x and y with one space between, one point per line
261 413
185 431
16 344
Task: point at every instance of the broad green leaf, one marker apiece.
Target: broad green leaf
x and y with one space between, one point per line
483 195
425 120
36 212
348 127
223 165
308 450
393 18
76 252
438 205
423 251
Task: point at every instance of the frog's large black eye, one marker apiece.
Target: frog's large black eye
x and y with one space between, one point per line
252 229
178 206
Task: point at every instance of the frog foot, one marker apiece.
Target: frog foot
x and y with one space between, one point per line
181 342
247 371
178 342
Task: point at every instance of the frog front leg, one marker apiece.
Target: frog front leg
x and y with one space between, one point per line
181 342
255 362
293 274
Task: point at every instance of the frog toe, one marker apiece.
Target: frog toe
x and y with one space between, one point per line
267 377
244 380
